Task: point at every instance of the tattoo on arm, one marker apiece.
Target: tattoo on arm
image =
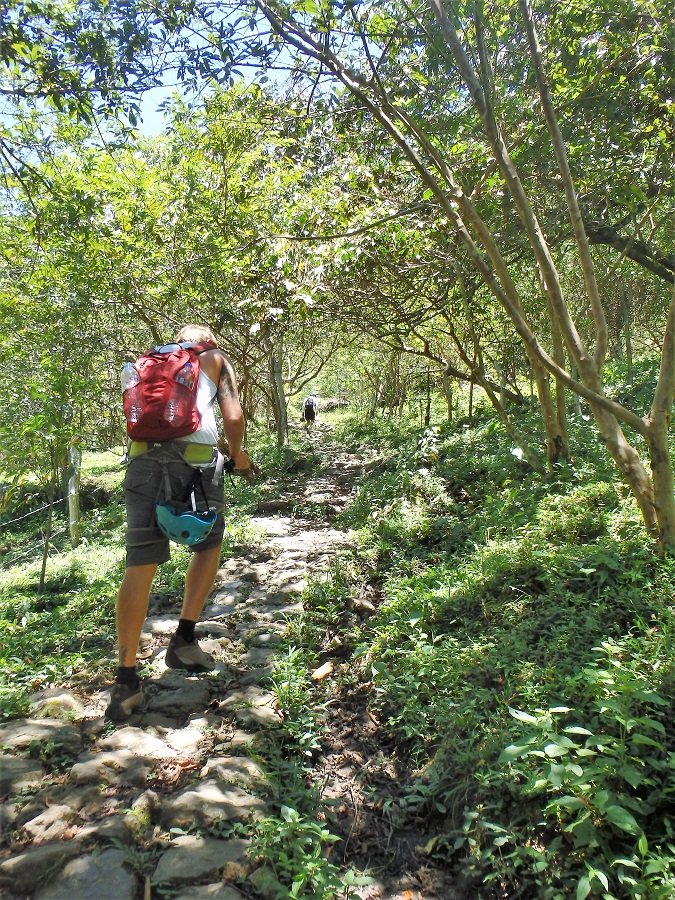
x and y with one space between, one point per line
227 388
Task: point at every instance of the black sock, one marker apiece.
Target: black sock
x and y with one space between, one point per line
127 675
186 630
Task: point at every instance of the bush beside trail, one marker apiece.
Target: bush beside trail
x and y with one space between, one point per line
518 656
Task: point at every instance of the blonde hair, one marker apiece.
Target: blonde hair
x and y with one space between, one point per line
195 333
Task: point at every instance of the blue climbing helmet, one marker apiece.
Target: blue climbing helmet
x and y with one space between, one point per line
184 523
189 527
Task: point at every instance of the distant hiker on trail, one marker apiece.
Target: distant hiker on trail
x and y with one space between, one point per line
309 407
174 489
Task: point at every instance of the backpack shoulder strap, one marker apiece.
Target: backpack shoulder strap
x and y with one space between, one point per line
200 347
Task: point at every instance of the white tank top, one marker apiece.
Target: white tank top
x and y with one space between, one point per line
206 400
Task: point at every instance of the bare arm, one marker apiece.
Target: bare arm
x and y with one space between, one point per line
233 416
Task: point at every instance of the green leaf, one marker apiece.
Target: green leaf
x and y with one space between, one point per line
633 776
554 750
583 888
415 616
569 802
583 831
557 774
513 751
623 861
602 878
562 741
523 716
645 741
620 817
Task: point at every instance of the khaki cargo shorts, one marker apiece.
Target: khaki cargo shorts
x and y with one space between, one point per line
144 487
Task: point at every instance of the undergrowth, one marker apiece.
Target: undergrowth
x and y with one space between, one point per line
521 652
64 635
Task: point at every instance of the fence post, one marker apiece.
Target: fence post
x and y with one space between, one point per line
74 492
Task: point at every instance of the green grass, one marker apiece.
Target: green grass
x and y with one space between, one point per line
516 612
65 634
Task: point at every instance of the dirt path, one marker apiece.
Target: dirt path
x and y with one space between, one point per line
92 810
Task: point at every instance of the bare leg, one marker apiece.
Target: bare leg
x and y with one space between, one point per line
132 608
199 580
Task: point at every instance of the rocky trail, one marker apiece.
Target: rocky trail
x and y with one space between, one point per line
103 812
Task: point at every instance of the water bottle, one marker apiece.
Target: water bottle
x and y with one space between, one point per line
131 388
177 406
186 376
129 377
172 407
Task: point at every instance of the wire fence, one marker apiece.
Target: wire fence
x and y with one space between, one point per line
33 512
8 563
40 545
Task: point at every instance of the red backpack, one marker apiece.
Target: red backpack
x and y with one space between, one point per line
160 392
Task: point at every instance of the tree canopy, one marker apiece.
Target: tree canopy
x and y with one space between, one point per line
485 187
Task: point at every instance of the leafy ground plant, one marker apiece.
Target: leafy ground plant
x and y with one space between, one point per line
501 591
292 686
294 846
606 782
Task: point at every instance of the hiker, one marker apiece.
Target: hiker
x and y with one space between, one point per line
309 408
154 469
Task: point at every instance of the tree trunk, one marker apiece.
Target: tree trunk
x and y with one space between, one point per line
278 395
662 477
576 400
627 336
402 397
513 432
659 425
630 465
447 392
48 529
246 392
377 393
502 381
556 439
560 399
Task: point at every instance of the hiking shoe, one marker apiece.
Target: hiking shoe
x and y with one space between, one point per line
182 654
123 701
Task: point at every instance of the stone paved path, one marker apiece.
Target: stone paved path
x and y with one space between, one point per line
80 797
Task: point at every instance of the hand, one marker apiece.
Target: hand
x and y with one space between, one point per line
245 467
241 461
